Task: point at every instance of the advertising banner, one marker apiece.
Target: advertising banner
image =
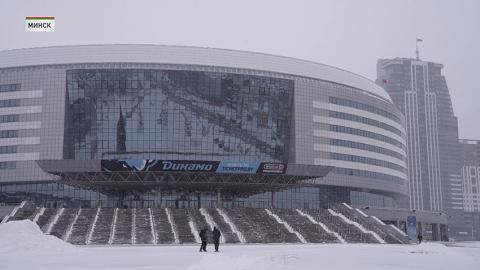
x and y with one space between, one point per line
150 165
272 168
412 227
238 167
146 165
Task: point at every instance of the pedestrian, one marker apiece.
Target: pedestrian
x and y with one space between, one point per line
420 237
203 238
216 238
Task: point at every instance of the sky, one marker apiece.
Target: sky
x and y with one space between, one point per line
349 34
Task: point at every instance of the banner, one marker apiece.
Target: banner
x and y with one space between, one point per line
272 168
151 165
238 167
412 227
147 165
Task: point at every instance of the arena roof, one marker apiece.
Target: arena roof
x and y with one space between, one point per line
166 54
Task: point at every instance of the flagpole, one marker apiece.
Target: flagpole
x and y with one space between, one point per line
417 53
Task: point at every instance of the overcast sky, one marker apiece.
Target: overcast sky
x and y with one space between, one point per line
350 34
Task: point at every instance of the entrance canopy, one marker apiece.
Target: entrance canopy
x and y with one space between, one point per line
185 174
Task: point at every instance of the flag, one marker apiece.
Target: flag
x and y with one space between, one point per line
419 39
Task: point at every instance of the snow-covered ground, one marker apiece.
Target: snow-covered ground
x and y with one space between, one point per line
23 246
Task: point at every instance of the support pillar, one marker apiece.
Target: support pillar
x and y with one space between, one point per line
274 197
219 198
99 203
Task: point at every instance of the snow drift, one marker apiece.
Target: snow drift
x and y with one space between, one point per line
26 236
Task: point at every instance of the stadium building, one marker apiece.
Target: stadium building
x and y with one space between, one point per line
149 127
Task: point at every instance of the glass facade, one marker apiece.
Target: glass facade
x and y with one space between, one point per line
181 115
62 195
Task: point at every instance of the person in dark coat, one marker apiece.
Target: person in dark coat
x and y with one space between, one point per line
420 237
203 238
216 238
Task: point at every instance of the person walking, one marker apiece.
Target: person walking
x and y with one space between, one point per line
203 238
216 238
420 237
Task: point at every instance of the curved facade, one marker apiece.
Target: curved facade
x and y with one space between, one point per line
146 102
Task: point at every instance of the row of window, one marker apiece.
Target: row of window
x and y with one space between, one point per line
8 149
8 133
367 147
367 160
364 120
364 107
9 118
8 165
9 103
9 87
187 112
368 174
367 134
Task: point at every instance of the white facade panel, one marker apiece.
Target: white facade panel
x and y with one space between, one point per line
20 110
21 94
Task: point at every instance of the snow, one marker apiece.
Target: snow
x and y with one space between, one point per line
234 229
23 246
194 231
398 230
37 216
324 227
172 226
152 225
356 224
25 236
210 222
378 220
287 226
92 228
55 220
361 212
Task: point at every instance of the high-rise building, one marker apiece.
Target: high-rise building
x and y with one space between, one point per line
420 91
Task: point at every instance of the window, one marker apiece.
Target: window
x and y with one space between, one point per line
9 103
8 133
9 87
9 118
9 165
8 149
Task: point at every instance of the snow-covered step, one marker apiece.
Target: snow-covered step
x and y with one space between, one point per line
172 225
398 230
195 232
356 224
70 227
152 225
114 226
92 228
232 225
286 225
54 220
378 220
361 212
134 228
210 222
323 226
37 216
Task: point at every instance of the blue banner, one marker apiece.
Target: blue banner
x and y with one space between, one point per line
238 167
412 227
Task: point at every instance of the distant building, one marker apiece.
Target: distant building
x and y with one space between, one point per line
470 158
420 91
